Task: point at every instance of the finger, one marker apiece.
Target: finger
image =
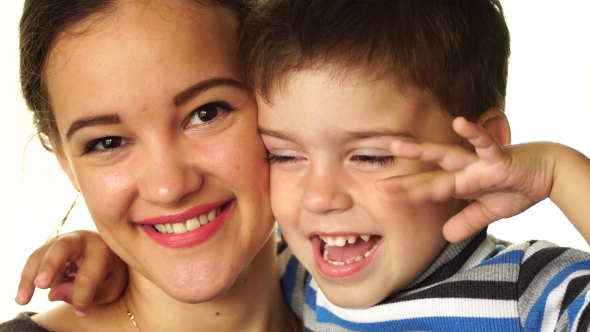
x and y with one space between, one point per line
436 186
452 158
30 272
91 273
486 146
66 249
467 222
62 292
114 284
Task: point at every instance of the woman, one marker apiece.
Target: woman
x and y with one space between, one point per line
142 103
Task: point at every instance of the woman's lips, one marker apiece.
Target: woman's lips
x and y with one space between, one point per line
199 226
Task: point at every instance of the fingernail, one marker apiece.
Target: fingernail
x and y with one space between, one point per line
20 296
81 313
41 277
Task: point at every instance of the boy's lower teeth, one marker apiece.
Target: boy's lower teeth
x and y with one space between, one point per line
350 260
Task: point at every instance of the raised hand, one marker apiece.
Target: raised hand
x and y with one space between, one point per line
79 268
500 181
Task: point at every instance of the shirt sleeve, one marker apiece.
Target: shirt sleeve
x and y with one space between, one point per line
554 288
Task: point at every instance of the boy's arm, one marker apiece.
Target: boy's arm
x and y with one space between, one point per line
78 267
500 181
571 188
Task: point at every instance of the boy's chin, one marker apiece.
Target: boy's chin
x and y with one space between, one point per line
352 297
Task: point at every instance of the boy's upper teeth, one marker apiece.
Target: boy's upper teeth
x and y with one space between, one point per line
341 241
189 225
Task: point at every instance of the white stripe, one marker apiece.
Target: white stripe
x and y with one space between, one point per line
576 322
430 307
554 300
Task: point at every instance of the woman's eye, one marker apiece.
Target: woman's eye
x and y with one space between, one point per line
374 160
209 112
105 144
277 159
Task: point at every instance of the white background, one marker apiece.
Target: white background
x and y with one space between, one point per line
548 99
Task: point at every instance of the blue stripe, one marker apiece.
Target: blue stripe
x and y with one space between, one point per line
289 279
510 257
425 323
535 317
573 311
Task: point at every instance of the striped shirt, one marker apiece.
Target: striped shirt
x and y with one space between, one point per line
480 284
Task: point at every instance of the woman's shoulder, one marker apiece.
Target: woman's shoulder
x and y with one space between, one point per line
22 323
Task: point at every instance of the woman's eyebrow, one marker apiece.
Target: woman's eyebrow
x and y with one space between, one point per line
202 86
100 120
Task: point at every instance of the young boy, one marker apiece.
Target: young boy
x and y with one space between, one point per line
337 83
357 102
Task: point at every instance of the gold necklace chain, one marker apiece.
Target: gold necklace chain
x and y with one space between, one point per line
130 315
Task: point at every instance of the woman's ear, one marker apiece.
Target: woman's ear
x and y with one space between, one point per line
496 123
65 166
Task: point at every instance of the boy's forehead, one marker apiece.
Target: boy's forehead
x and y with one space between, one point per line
295 86
333 103
339 77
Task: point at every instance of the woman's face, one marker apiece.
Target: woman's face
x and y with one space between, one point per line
160 137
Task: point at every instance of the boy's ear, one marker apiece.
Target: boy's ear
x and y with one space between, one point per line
65 166
496 123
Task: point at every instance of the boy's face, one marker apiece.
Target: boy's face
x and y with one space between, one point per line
328 139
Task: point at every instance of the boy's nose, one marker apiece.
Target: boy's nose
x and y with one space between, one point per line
325 192
167 177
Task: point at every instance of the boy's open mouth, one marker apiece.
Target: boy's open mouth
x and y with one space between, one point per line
341 250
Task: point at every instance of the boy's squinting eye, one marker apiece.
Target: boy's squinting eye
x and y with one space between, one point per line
374 160
105 144
278 159
209 112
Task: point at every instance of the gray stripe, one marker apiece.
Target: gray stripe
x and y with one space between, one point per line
539 283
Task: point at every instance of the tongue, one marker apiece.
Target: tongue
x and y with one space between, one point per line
351 251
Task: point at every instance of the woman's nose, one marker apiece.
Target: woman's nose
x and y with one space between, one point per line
168 176
325 191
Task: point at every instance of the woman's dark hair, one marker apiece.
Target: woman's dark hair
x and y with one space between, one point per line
41 23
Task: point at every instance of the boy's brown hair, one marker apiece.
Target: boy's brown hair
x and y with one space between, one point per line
456 49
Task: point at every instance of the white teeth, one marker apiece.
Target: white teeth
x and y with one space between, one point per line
365 237
370 251
192 224
189 225
330 241
179 228
203 219
340 241
161 228
351 239
348 261
169 228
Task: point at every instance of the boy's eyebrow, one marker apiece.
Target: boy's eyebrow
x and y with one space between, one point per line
345 137
274 133
179 99
357 135
202 86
